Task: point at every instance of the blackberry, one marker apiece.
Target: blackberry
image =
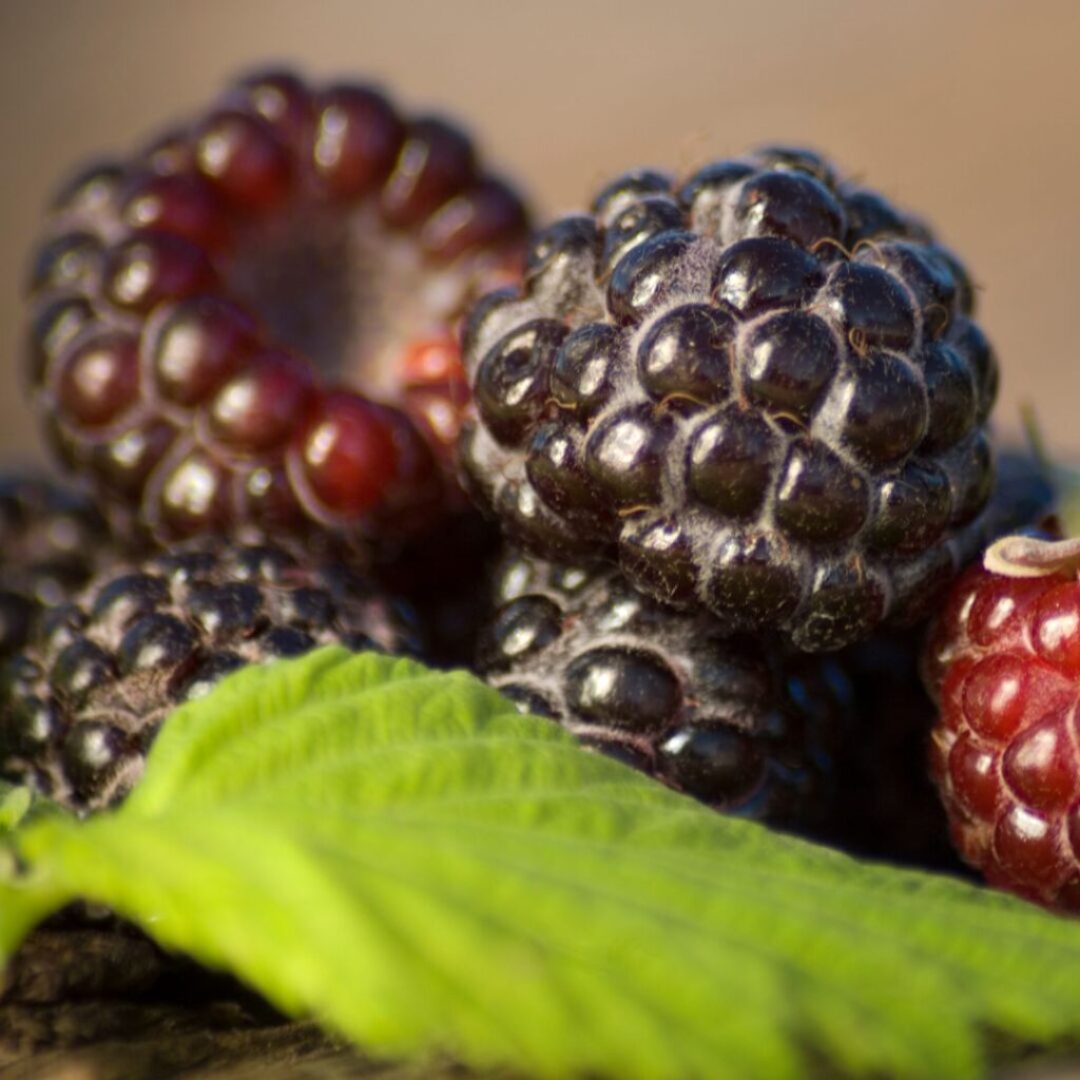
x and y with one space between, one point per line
248 323
81 705
760 389
738 725
51 542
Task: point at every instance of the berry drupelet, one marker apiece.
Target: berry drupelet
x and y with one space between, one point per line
249 321
51 541
760 388
745 728
81 705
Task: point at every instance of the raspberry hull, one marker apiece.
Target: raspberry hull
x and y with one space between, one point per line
1003 663
761 389
250 321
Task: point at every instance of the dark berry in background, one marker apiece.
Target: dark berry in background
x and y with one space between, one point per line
888 805
759 388
249 321
52 539
445 579
81 705
743 726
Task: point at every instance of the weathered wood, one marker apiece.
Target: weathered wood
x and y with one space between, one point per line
90 998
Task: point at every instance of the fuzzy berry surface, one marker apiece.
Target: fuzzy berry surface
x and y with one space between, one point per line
742 726
1003 663
80 706
760 388
52 540
249 322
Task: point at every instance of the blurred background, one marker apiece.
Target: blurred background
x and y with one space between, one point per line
967 112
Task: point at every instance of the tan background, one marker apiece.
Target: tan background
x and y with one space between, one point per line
968 112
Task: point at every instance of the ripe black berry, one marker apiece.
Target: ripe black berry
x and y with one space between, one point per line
760 389
51 541
740 725
81 704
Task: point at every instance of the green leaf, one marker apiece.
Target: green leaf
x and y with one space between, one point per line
14 806
21 805
22 903
400 854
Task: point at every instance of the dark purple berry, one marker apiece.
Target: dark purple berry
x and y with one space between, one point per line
741 725
767 398
80 706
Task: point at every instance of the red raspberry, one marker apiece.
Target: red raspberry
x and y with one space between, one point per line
248 324
1003 662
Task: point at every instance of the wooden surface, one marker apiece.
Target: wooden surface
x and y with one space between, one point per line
91 999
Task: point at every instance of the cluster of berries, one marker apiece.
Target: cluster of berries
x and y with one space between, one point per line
727 432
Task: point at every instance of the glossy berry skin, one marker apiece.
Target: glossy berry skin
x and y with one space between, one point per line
1003 663
80 706
52 540
759 389
225 326
741 726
